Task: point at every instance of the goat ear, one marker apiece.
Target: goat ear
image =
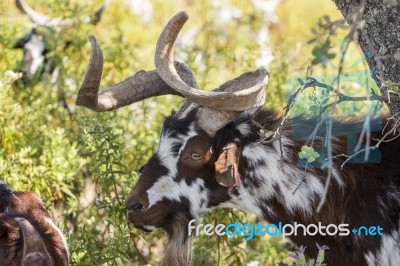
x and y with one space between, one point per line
34 251
226 167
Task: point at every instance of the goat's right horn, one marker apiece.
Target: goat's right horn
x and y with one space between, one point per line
242 93
219 106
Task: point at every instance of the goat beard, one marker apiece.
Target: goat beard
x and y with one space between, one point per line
178 250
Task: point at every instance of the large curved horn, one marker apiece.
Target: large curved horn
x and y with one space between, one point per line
41 19
242 93
140 86
221 105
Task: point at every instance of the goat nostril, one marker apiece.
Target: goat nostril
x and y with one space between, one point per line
133 205
137 206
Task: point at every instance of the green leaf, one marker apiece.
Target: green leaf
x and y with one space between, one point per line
309 154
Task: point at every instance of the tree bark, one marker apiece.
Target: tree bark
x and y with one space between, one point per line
379 39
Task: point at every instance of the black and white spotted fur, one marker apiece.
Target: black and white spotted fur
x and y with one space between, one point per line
274 186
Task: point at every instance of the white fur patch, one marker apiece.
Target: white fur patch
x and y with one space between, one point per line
274 174
389 254
164 149
166 187
244 129
164 153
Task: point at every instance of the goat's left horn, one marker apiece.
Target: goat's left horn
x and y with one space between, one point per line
140 86
242 93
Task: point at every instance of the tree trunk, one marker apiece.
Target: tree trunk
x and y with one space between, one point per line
379 39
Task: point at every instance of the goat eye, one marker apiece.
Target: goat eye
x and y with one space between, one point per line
196 156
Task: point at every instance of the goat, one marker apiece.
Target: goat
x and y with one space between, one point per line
210 155
33 44
28 236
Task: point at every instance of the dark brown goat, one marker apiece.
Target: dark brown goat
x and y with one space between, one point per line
27 234
213 153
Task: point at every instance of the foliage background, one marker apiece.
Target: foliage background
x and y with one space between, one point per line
83 164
